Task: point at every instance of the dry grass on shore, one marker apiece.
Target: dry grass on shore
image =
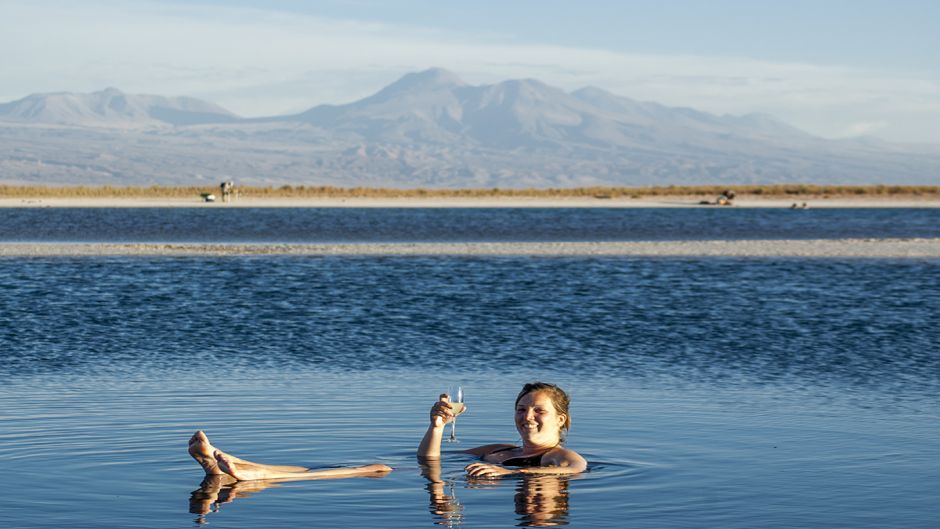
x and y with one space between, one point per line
287 191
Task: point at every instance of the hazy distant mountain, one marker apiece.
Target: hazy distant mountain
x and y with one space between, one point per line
436 106
419 106
113 107
431 129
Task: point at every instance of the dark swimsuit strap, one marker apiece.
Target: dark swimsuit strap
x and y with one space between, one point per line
530 461
533 460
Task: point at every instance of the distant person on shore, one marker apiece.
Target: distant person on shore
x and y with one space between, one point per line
726 198
227 189
541 419
218 463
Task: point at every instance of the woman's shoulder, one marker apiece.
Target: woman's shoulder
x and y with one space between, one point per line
565 457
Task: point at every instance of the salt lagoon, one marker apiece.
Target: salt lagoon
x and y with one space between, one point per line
732 391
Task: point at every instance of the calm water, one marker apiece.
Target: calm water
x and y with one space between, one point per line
312 225
706 392
720 392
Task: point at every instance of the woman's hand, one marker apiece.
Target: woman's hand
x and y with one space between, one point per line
486 470
442 412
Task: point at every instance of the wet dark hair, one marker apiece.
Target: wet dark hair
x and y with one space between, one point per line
558 396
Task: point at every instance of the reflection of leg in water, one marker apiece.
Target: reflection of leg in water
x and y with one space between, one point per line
542 501
205 499
215 491
212 492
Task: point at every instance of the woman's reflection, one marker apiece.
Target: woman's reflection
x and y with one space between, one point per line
540 501
444 504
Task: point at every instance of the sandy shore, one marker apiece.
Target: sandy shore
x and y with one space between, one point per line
881 248
486 202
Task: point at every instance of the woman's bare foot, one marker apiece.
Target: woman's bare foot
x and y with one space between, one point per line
204 453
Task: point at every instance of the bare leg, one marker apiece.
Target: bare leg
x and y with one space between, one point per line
218 463
204 454
244 472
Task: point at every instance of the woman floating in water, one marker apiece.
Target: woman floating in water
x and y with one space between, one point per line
541 418
217 463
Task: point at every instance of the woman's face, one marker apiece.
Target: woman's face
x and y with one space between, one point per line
537 420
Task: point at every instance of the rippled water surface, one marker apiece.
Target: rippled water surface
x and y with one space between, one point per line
706 392
319 225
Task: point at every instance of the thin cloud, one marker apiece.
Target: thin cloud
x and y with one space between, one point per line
864 128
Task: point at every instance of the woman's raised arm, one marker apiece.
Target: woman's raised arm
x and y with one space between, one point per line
441 414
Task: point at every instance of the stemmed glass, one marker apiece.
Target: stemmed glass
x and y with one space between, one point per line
458 406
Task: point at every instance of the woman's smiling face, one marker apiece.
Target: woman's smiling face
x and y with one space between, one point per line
537 420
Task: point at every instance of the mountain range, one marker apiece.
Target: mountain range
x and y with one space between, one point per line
111 107
431 129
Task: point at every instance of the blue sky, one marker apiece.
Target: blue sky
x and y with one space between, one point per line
836 68
855 32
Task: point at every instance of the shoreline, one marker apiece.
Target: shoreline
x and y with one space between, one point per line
678 201
850 248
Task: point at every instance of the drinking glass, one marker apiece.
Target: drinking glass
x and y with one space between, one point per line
458 407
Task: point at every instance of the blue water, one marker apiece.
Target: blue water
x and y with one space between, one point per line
705 392
852 325
332 225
